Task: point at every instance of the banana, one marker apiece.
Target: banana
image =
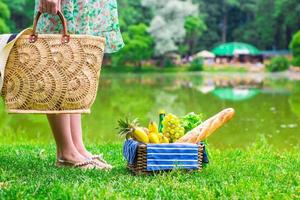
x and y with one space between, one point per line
153 127
153 138
139 135
165 140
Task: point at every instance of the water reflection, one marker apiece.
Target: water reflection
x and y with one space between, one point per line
266 105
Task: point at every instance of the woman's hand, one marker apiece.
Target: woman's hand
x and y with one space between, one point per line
49 6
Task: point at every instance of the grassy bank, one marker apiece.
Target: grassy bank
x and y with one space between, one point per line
259 172
144 69
177 69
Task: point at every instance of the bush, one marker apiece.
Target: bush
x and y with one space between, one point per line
295 48
296 61
168 62
278 64
196 65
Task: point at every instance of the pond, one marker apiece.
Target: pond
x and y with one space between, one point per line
267 105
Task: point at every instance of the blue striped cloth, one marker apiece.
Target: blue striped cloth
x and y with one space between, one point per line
129 150
170 156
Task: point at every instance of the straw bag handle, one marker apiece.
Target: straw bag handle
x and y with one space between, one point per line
65 37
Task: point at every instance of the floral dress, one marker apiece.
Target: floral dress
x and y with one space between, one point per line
91 17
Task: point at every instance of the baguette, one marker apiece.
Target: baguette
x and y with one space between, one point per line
209 126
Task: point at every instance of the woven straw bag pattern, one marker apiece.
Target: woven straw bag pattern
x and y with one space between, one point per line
49 73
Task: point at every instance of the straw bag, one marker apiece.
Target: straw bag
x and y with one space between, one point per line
53 73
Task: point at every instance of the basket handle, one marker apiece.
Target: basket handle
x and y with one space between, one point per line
65 37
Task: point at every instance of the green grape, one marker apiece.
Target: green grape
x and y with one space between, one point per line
172 127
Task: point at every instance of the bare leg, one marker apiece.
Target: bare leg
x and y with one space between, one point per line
60 125
76 132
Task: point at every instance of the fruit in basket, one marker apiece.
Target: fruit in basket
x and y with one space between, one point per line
164 139
172 128
153 138
153 127
160 136
146 130
132 130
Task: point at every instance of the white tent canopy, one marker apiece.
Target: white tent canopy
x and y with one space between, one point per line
205 54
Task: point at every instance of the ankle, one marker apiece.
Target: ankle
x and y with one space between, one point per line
72 156
85 153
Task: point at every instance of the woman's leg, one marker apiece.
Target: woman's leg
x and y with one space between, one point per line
76 132
60 125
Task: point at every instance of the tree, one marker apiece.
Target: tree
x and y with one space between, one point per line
22 14
4 17
167 26
138 46
132 12
194 27
295 48
288 21
226 4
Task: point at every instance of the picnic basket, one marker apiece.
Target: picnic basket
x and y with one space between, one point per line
53 73
141 164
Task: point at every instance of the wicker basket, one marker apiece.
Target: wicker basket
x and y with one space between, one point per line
53 73
140 166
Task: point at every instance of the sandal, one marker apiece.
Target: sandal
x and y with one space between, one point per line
87 164
99 160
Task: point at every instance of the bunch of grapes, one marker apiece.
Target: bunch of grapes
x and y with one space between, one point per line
172 128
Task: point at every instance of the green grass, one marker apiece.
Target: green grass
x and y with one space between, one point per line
28 172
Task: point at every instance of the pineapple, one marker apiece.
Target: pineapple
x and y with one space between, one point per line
132 130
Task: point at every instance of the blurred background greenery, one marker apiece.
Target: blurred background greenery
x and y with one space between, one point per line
166 36
153 28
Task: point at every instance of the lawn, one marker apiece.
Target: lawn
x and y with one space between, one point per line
260 171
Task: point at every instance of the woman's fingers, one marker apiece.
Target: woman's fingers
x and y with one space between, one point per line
53 9
41 6
59 5
49 6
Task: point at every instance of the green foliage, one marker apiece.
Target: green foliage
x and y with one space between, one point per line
168 62
131 12
244 21
28 172
296 61
3 27
5 13
194 26
267 24
295 48
138 46
4 17
22 14
191 120
196 65
277 64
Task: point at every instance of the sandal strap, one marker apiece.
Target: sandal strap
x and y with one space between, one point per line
99 157
76 164
84 163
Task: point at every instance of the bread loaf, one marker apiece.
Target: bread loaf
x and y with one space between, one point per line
209 126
